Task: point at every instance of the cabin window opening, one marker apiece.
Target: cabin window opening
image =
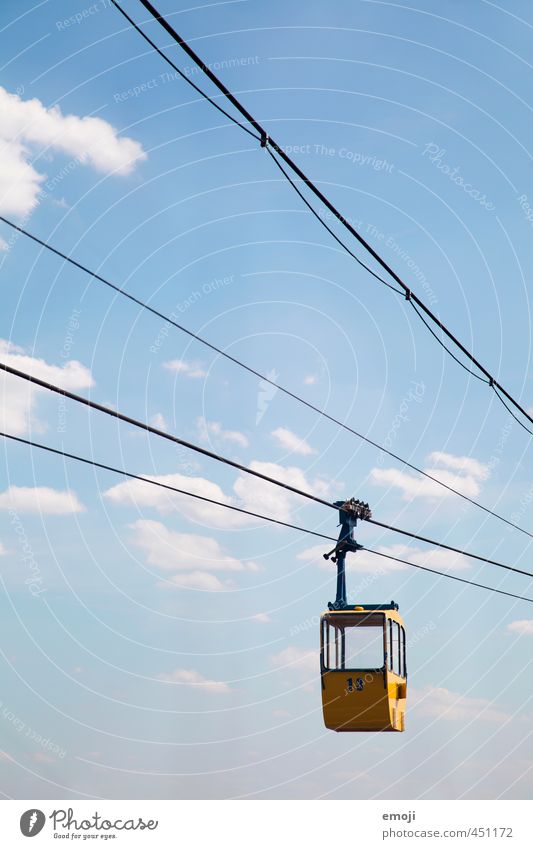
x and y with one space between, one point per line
404 662
364 647
355 648
353 642
395 648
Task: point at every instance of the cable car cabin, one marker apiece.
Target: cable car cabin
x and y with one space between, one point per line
363 669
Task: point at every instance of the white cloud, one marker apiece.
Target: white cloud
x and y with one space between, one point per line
310 380
27 128
3 550
249 494
419 487
40 499
465 477
189 369
522 627
18 397
434 558
159 421
72 375
3 245
261 617
366 562
193 559
443 561
443 704
20 183
192 678
43 758
289 441
316 552
468 465
362 561
303 661
264 497
61 203
207 429
173 551
140 494
197 580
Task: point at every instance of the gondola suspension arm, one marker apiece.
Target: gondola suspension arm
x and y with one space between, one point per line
349 512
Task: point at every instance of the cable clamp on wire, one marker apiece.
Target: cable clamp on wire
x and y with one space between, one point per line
407 294
491 381
264 140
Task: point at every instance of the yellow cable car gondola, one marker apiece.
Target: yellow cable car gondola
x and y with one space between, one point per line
363 666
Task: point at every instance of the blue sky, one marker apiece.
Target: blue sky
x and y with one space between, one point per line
154 647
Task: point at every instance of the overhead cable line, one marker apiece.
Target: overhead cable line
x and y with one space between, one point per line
152 482
184 76
94 405
225 460
326 226
447 547
257 138
447 575
160 484
373 273
267 140
511 413
441 343
262 377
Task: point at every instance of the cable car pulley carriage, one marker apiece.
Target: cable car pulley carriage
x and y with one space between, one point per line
362 649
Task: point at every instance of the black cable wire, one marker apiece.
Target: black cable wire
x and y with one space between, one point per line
181 74
511 413
447 575
221 459
326 226
267 140
452 355
124 473
370 271
94 405
258 374
448 547
381 280
377 277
